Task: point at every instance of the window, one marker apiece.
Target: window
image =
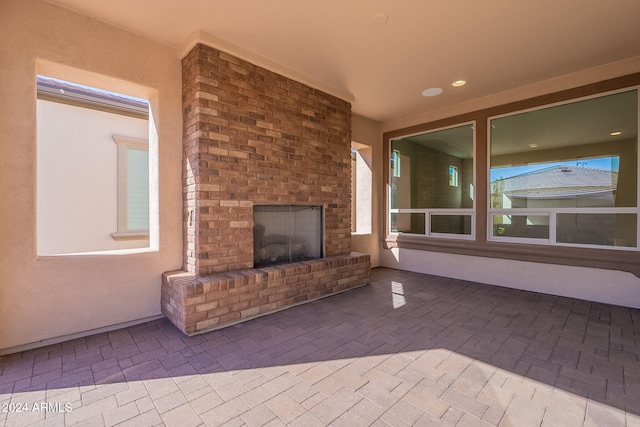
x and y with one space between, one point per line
453 176
133 188
395 163
426 198
353 189
567 174
92 194
559 183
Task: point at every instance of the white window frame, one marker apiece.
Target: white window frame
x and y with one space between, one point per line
453 176
435 211
427 222
123 144
395 170
552 212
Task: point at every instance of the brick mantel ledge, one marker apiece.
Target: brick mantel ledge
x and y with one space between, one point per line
197 304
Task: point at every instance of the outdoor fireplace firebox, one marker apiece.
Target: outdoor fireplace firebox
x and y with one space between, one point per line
284 234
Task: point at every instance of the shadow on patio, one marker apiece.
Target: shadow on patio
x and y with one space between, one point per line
408 349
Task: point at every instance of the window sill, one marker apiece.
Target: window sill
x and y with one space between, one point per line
130 235
622 260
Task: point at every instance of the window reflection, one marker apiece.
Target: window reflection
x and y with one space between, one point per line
432 173
437 170
571 167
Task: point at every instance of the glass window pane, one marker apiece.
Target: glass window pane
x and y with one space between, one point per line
137 189
453 176
451 224
433 170
408 223
523 226
562 185
597 229
576 155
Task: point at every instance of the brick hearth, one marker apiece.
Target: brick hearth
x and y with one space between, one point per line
197 304
254 137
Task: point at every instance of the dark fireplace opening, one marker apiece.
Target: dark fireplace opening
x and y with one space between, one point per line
283 234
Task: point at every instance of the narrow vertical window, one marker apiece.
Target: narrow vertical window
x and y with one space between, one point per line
433 195
395 163
453 176
133 188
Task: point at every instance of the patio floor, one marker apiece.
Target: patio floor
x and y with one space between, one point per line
409 349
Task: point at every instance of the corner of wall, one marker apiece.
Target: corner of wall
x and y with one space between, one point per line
368 132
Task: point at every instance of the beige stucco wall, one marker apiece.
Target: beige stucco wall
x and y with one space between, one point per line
47 297
573 80
367 132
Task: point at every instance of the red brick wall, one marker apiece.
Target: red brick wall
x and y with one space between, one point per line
197 304
253 136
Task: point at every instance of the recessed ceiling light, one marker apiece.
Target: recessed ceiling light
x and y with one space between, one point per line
458 83
380 18
616 133
433 91
533 145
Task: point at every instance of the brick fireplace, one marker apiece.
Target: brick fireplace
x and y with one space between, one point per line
252 137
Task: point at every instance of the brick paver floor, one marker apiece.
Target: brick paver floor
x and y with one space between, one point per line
409 349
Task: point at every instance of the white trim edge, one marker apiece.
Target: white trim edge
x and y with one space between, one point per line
130 235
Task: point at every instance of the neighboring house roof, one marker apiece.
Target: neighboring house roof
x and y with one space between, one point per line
61 90
560 182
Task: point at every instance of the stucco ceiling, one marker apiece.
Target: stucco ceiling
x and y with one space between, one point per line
494 45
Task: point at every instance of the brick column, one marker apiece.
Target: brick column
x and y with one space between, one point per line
253 136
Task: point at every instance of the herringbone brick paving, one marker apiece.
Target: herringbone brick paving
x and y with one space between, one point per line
409 349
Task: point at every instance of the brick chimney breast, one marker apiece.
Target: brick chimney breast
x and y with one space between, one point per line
253 137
